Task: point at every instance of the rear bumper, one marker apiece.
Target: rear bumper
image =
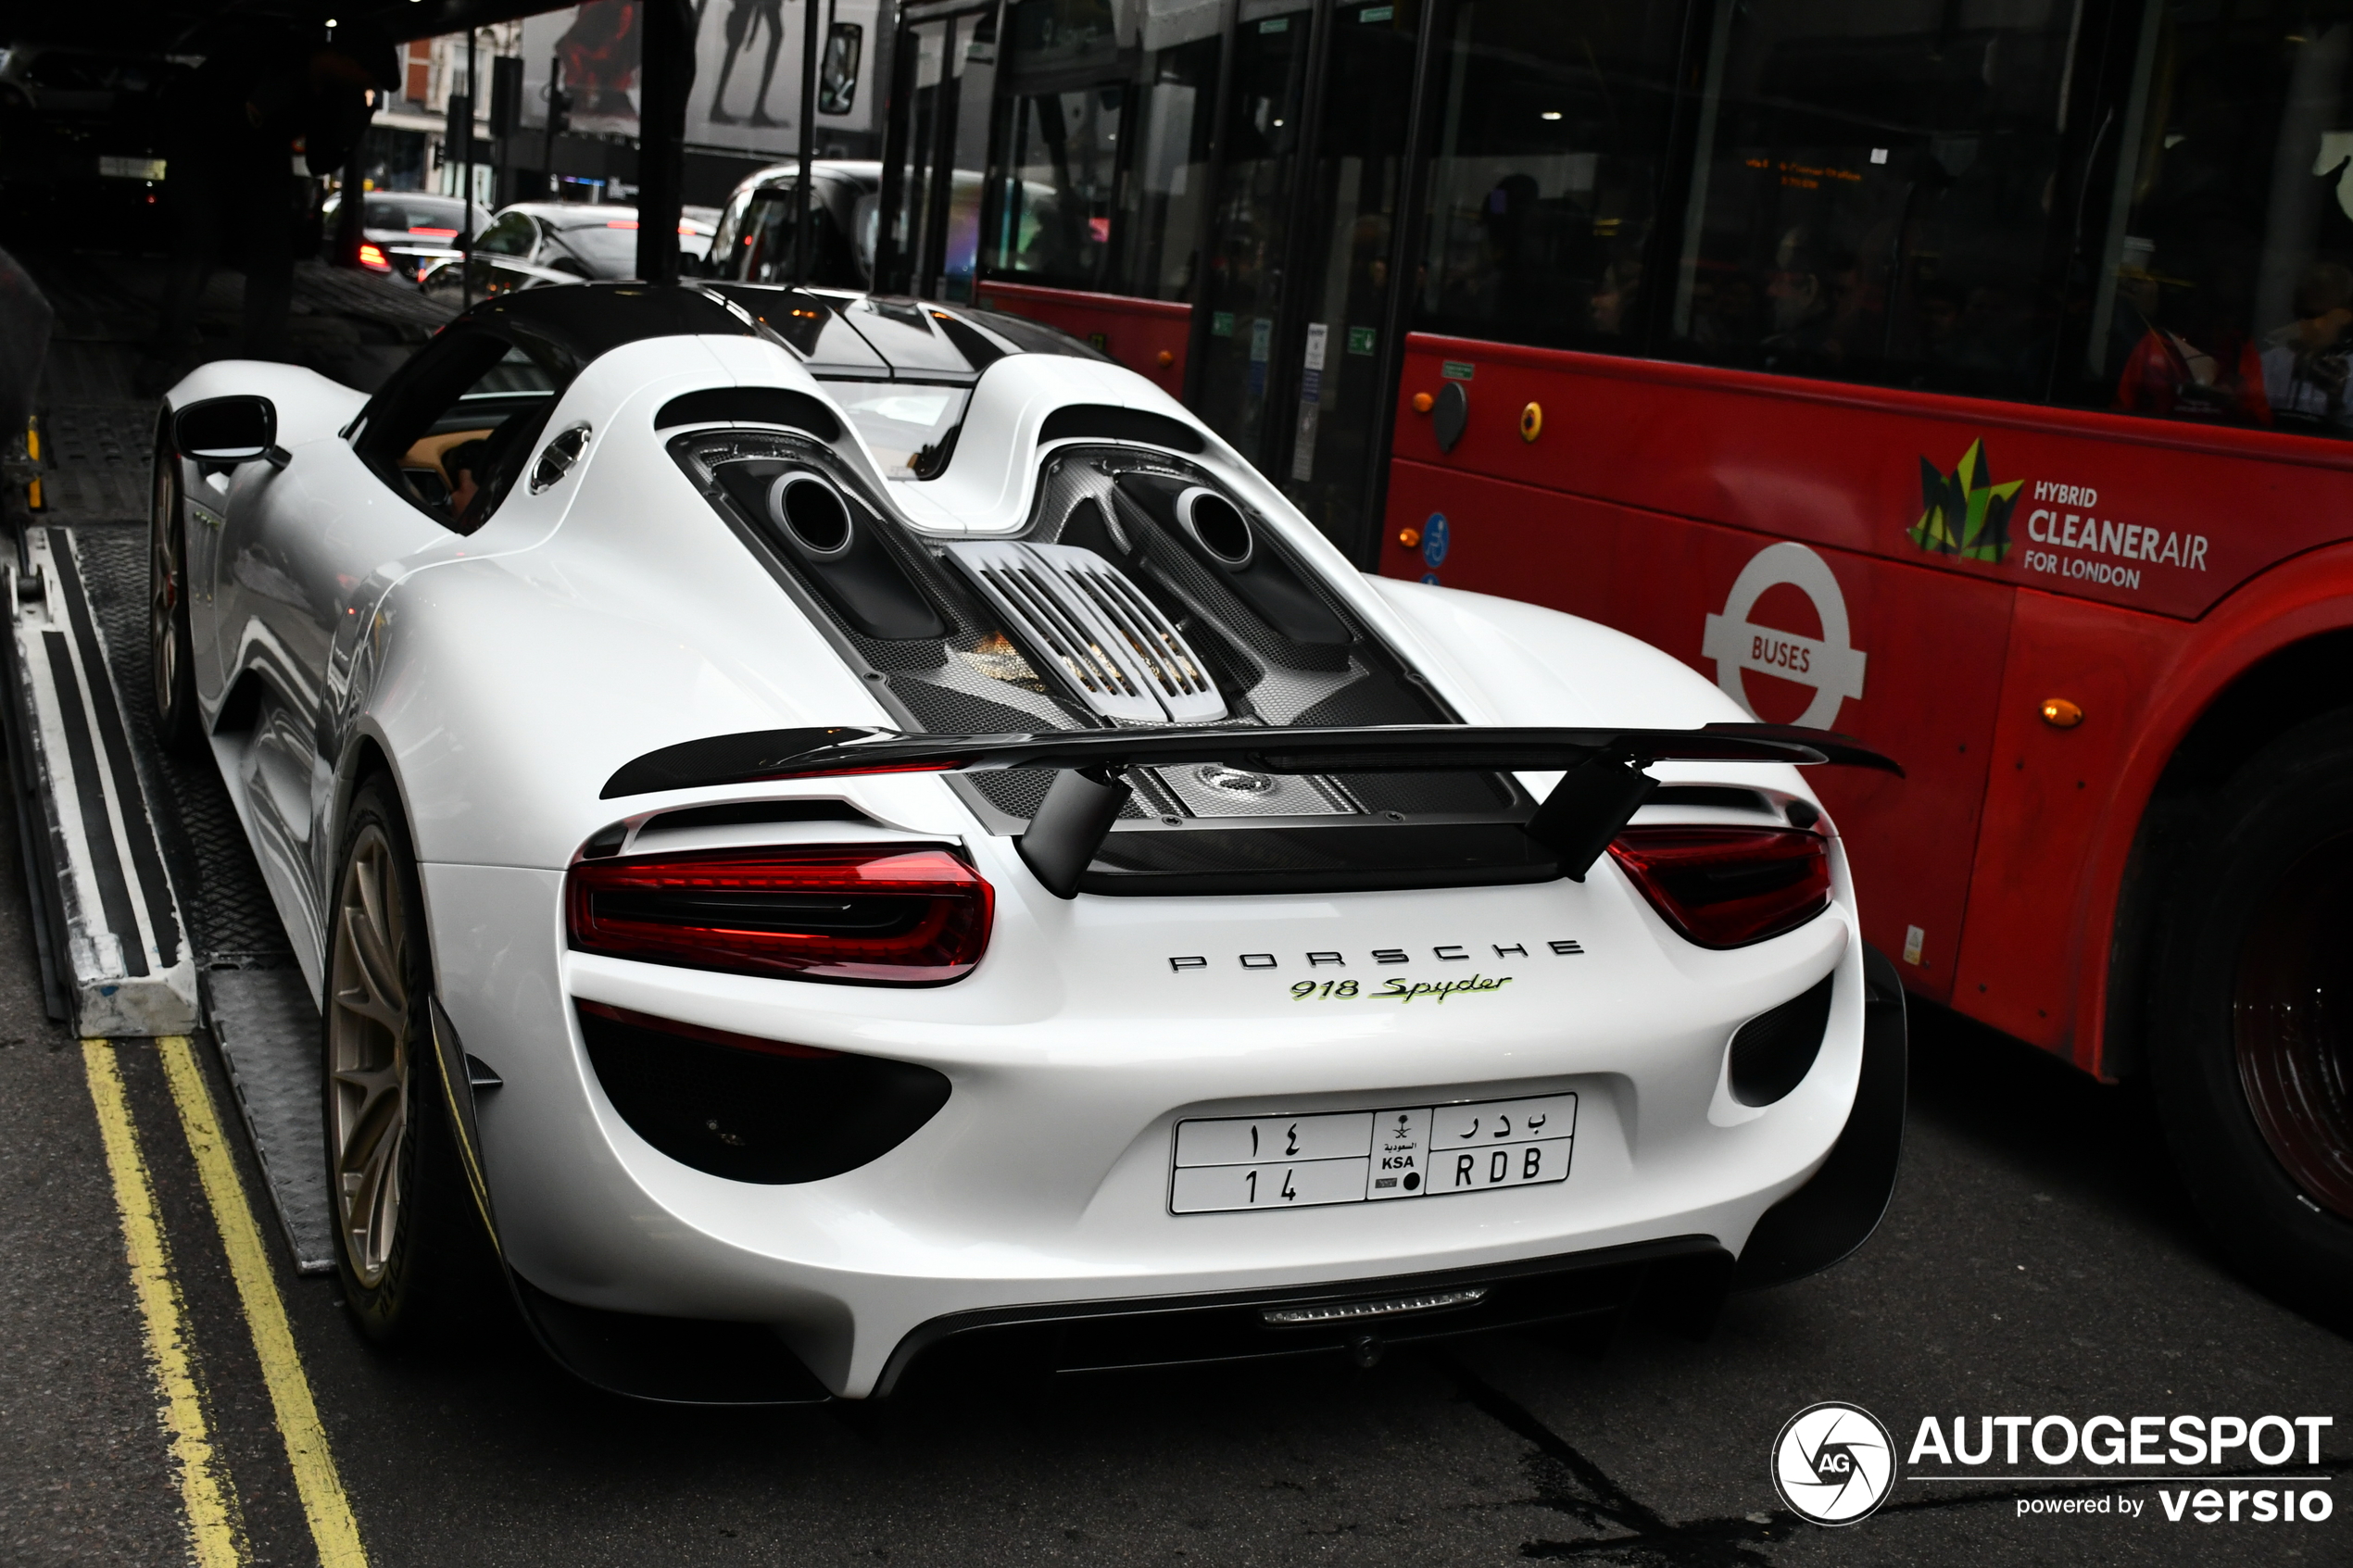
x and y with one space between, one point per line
1837 1210
685 1361
1355 1317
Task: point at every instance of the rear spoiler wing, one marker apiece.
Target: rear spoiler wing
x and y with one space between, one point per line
1602 784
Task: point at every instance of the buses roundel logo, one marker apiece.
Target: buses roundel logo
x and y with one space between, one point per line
1830 664
1833 1464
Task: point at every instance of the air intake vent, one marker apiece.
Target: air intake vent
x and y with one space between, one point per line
1124 658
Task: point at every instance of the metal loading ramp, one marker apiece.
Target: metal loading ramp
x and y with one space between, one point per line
151 916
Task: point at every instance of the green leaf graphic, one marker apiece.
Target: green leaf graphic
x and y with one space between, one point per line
1961 513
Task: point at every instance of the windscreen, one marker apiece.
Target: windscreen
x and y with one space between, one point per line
903 420
607 250
422 214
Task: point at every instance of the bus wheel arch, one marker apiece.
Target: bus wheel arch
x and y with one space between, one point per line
2275 695
2246 1030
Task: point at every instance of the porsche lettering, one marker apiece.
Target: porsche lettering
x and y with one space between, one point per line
1445 952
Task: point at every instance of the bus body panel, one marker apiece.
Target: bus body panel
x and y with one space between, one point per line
2061 807
2050 849
2152 514
1995 868
1134 332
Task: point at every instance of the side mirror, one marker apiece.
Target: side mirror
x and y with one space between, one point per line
224 432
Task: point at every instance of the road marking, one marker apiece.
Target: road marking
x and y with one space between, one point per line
205 1493
333 1528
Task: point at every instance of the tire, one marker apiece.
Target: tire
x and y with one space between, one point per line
170 646
415 1261
2251 1051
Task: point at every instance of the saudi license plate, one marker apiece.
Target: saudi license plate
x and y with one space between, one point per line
1370 1156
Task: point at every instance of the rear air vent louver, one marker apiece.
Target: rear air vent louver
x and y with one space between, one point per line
1080 615
1100 422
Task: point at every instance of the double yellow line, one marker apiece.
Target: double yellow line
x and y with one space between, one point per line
215 1527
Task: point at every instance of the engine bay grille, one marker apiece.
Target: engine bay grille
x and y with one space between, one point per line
1123 656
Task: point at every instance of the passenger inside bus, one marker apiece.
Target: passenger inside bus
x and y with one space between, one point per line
2304 362
2192 360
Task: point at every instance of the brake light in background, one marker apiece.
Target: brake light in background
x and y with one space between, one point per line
872 914
372 257
434 234
1728 886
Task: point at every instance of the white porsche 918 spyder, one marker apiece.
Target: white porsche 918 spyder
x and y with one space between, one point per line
833 830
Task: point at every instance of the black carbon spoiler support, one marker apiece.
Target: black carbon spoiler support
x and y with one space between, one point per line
1602 784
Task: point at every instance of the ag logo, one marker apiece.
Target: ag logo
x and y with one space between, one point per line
1833 1464
1829 665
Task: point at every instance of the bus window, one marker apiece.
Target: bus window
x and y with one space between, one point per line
931 188
1105 146
1065 105
1160 205
1551 140
1245 271
1055 226
2226 289
764 230
1352 189
1874 194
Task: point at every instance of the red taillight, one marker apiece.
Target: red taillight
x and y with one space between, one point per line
1728 886
866 914
372 257
433 233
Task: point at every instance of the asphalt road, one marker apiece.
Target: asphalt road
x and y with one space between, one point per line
2035 1263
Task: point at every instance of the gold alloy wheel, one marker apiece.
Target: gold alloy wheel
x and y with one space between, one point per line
167 580
368 1061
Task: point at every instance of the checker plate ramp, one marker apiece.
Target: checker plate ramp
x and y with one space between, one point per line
118 953
267 1032
235 960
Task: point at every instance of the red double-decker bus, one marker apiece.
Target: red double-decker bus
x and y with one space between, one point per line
1971 375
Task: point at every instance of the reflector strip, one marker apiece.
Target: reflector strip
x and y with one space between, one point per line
1396 1306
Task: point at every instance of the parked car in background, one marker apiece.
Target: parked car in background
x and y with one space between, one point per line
81 139
531 243
697 226
408 232
754 243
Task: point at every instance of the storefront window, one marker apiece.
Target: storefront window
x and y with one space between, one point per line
1876 189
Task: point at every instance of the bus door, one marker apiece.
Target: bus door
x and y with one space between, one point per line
1299 286
1731 308
936 149
1098 182
1076 139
